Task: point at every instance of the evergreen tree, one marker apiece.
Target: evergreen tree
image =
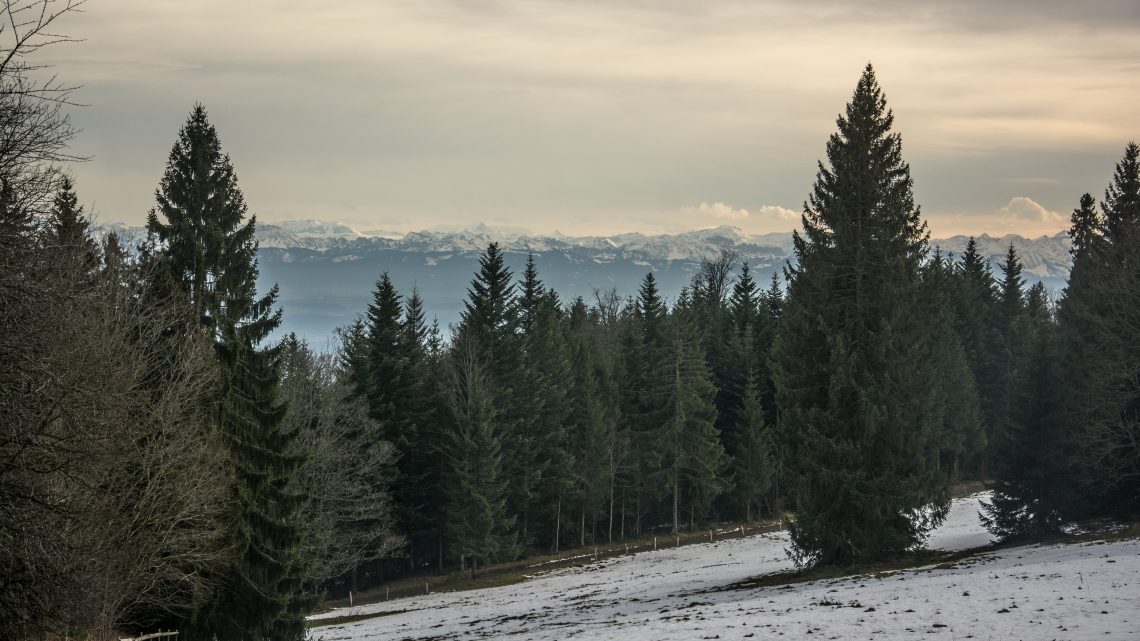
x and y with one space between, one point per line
856 386
1100 343
1033 487
207 252
479 523
488 329
753 455
648 371
490 316
352 354
421 466
588 434
963 434
975 310
537 403
1009 353
547 368
70 227
744 305
387 380
689 462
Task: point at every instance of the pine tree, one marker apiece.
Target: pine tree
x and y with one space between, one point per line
421 468
490 315
70 227
1100 345
744 305
479 523
688 457
488 333
753 456
206 251
648 367
1033 488
1009 353
963 434
588 434
352 355
975 309
387 381
853 365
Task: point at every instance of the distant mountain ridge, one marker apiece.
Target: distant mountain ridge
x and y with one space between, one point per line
327 270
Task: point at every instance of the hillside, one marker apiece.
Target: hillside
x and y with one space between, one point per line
1060 591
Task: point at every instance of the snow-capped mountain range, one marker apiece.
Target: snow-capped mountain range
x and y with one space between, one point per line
327 270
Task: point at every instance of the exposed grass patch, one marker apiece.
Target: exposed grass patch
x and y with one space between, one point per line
350 618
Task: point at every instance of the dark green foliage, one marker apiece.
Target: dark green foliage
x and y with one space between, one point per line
753 454
387 377
1034 484
963 435
589 434
478 520
854 368
70 227
490 314
975 308
647 370
203 248
547 412
1100 343
687 457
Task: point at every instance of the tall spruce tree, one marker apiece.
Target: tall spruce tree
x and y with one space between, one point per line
689 464
588 426
386 388
1100 342
963 435
421 470
648 367
487 342
975 309
856 385
480 526
70 227
204 248
1009 349
1032 491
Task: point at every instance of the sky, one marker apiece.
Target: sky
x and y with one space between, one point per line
602 116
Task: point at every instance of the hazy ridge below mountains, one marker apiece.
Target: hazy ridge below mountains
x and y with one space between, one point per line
327 270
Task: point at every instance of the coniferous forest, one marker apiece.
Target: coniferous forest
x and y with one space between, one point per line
159 446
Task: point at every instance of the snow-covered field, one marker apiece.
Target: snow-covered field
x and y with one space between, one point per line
1071 591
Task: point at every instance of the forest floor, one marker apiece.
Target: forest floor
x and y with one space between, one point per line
1083 585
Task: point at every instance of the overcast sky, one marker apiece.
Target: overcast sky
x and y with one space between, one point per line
603 116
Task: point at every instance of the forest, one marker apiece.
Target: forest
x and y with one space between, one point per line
165 463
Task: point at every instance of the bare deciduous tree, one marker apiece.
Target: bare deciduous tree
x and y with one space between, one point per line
348 518
108 481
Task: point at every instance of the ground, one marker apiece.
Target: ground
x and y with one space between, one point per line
1076 590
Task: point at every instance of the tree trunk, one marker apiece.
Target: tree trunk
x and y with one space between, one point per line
623 516
676 504
583 529
557 522
611 533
